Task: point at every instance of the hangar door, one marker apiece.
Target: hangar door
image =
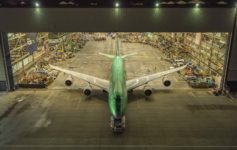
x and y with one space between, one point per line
32 52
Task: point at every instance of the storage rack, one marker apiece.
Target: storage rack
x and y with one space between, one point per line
205 50
20 57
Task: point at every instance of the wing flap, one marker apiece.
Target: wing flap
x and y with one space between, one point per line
134 83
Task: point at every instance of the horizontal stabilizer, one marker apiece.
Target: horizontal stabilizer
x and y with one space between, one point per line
124 56
107 55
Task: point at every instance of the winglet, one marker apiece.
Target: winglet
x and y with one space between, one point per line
52 66
55 67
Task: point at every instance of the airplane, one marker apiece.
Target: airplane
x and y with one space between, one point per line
117 87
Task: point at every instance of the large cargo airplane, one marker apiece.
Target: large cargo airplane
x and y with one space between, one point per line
117 87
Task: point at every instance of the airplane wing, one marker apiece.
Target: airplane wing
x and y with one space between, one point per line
104 84
134 83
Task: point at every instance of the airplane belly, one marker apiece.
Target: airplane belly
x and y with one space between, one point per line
117 108
111 104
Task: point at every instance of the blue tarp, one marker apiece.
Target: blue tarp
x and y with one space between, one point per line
32 42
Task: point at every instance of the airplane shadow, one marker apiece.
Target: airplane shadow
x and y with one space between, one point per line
138 95
134 96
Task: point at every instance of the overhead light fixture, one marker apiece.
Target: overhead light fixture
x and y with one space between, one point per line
117 4
157 4
181 2
197 4
62 3
171 3
71 3
196 1
93 3
37 4
163 3
222 3
22 3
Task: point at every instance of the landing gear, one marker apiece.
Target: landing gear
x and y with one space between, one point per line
104 91
130 91
117 124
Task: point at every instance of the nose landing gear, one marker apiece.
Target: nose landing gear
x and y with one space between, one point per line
117 124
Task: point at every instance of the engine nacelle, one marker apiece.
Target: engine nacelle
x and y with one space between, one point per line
87 90
69 81
166 81
147 90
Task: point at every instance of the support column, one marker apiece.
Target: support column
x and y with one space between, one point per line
6 73
231 63
3 81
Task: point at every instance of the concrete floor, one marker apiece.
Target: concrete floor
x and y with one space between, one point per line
172 118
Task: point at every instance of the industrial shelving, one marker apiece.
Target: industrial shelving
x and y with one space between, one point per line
205 50
209 51
21 58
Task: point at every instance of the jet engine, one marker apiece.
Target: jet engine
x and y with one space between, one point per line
68 81
166 81
87 90
147 90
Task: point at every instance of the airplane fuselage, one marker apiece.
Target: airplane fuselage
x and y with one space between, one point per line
117 97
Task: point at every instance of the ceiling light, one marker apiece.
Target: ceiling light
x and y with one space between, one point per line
63 3
222 3
163 3
22 3
70 3
171 3
37 4
93 3
181 2
117 4
196 1
197 4
157 4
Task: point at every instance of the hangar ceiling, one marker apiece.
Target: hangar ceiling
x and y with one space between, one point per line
117 19
123 3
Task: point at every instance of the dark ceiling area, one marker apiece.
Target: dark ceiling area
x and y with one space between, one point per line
122 3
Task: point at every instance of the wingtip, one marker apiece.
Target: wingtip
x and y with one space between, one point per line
52 66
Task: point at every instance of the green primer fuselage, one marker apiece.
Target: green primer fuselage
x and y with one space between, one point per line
117 89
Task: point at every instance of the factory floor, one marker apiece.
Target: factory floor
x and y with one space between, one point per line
178 117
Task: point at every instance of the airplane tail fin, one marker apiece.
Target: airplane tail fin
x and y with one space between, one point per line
131 54
117 46
107 55
117 51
